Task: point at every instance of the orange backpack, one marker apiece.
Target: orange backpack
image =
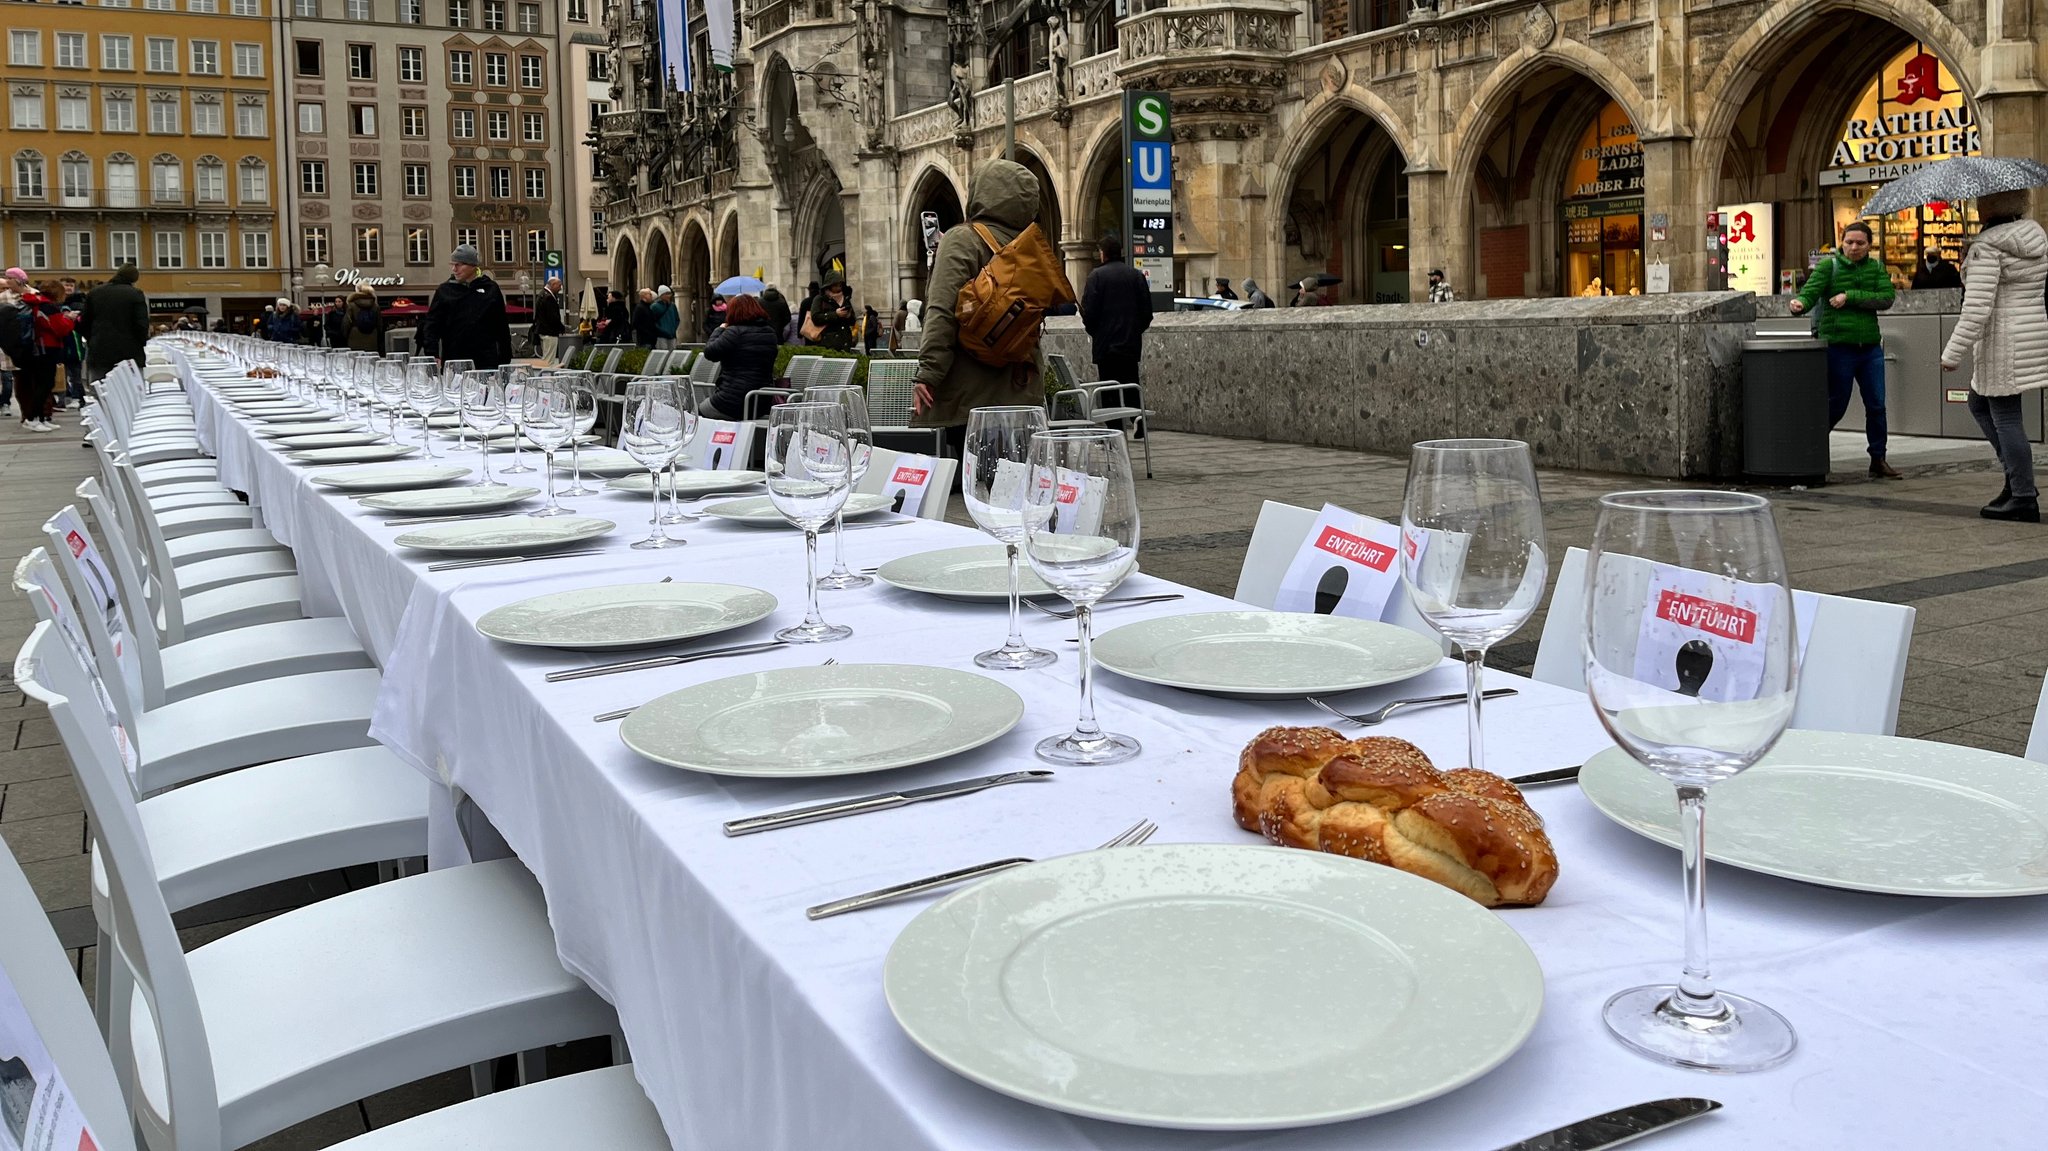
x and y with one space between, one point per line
1001 310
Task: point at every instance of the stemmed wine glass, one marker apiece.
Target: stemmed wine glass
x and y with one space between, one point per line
1472 551
997 457
548 414
583 417
854 399
483 408
423 395
1081 536
453 374
810 472
390 383
658 420
1696 735
514 377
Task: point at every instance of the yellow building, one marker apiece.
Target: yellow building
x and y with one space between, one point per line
143 131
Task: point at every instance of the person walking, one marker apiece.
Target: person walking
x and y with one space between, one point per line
616 325
114 320
668 319
1255 296
36 347
547 329
644 328
1223 291
466 319
362 321
2005 330
1308 293
1936 272
1439 288
1856 287
831 316
747 344
870 330
1116 308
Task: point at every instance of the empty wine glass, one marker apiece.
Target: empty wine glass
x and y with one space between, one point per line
548 414
423 395
854 400
453 374
997 457
1081 536
657 421
583 417
1696 725
1472 551
810 470
514 377
390 386
483 408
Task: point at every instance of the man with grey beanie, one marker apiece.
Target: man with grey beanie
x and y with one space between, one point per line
466 319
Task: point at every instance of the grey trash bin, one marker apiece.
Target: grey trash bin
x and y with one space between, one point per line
1785 408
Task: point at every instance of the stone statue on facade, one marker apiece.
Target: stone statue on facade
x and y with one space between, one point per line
874 67
960 36
1059 50
961 93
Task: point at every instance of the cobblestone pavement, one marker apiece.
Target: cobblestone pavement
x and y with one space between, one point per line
1979 645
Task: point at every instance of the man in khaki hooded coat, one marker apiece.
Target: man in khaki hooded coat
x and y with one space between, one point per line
1002 196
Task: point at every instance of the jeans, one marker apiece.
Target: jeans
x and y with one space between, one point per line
1999 416
1848 366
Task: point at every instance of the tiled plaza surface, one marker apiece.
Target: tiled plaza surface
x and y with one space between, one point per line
1979 645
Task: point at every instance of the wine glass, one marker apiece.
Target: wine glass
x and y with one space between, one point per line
514 377
854 399
810 471
453 373
483 408
423 395
1081 536
390 386
1724 547
1472 551
657 421
548 414
997 457
582 418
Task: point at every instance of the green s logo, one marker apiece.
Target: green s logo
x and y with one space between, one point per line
1149 115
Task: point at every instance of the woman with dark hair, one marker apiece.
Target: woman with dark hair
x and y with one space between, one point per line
36 379
747 345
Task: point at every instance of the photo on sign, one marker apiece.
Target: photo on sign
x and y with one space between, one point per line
1348 564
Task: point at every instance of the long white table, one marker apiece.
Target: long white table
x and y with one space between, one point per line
752 1027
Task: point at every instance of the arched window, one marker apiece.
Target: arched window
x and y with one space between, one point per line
29 176
123 180
209 180
166 179
74 180
255 179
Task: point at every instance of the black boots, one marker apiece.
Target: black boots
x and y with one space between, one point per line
2008 507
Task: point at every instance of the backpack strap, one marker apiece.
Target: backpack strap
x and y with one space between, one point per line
987 237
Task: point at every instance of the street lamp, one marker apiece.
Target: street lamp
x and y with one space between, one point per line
323 278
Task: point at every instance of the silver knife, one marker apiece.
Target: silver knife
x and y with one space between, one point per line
406 521
453 565
1614 1128
655 661
1555 775
819 812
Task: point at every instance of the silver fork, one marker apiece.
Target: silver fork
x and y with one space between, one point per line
609 716
1120 601
1375 718
1131 836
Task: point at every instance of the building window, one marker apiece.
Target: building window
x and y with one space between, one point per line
29 177
306 9
255 181
312 119
255 249
313 242
25 48
249 60
75 115
362 62
458 13
124 247
502 249
366 180
536 185
356 11
26 110
213 249
415 176
115 4
246 7
250 119
530 71
32 248
204 7
533 127
466 236
121 182
529 18
412 122
210 181
207 117
369 245
166 180
598 110
170 249
70 49
362 119
74 181
160 5
419 246
537 246
163 113
412 11
465 181
501 183
117 53
464 124
494 15
579 11
597 66
459 68
497 125
496 69
313 177
118 110
308 53
205 57
412 65
598 246
163 53
78 251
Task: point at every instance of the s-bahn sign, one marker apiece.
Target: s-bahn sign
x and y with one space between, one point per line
1148 188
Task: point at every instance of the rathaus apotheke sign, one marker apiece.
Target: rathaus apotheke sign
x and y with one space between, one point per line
1903 137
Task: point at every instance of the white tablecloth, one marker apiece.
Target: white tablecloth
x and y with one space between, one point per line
753 1027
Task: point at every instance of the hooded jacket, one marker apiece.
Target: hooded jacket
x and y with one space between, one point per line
114 322
748 352
2003 321
468 322
1003 196
362 321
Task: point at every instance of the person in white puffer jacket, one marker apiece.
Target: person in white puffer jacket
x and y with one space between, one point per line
2004 325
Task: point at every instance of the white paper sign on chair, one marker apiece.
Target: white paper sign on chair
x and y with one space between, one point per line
1348 565
1077 505
42 573
908 482
36 1109
101 595
720 445
1702 634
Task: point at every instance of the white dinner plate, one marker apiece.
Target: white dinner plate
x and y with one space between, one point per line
354 439
308 428
604 463
980 573
1266 653
626 615
759 512
1862 812
687 484
502 441
508 534
284 414
1166 986
435 501
398 479
361 455
801 722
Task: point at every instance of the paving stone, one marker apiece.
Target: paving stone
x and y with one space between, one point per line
36 798
322 1130
46 837
33 763
36 730
62 883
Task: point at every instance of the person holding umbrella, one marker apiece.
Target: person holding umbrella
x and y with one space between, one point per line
2005 329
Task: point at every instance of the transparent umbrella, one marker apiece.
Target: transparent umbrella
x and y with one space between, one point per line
1960 178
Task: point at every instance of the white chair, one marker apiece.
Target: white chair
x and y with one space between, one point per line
2037 736
1849 680
315 1008
938 492
191 579
1104 402
1276 537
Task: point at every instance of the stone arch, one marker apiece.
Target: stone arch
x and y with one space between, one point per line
1320 115
936 189
1517 68
1101 160
658 264
692 281
726 261
1345 233
1050 217
814 212
625 274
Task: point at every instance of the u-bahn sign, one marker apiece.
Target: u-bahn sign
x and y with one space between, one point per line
1148 189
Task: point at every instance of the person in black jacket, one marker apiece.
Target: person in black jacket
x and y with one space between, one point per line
616 327
646 329
466 319
1936 272
747 346
114 319
1116 308
547 319
777 306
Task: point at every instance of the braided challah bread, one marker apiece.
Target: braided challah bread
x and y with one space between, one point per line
1380 799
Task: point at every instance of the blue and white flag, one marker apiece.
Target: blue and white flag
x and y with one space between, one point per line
674 19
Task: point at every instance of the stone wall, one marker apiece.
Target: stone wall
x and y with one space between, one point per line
1647 385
